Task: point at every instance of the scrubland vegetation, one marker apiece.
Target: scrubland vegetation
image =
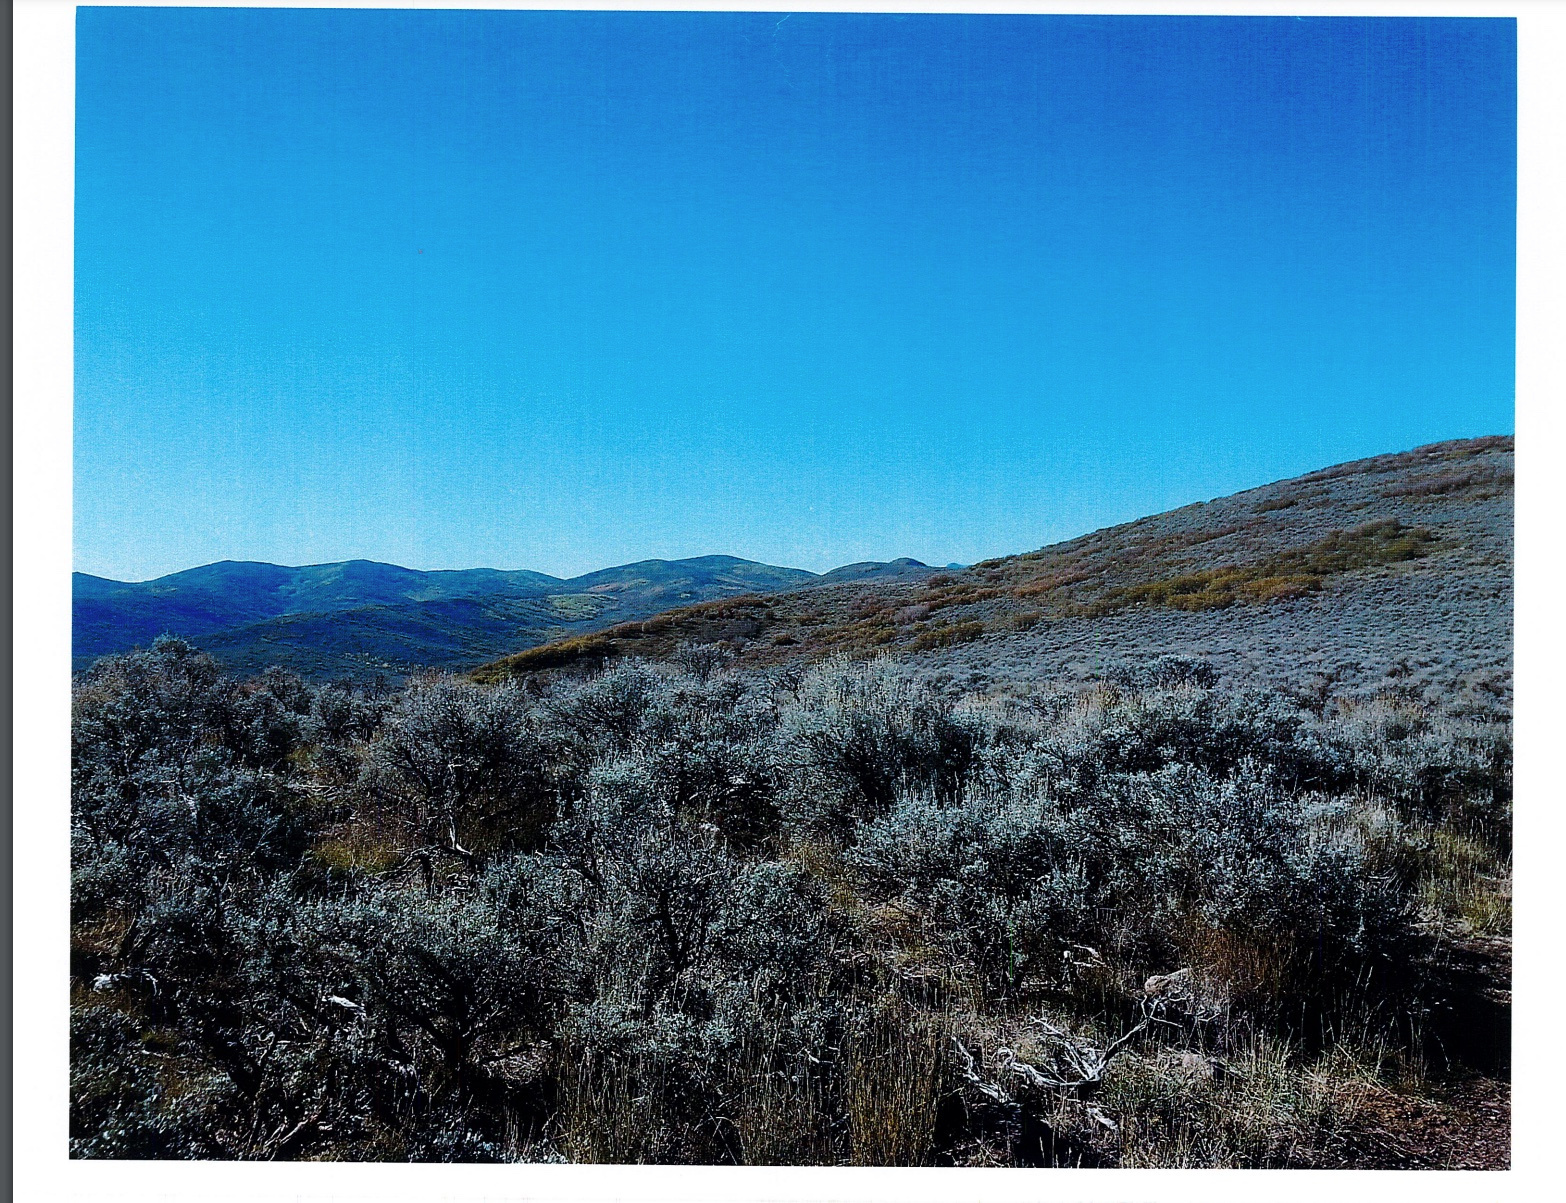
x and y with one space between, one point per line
701 912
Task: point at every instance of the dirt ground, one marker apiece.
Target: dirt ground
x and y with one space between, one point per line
1467 1126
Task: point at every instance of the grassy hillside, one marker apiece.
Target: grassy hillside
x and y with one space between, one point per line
1395 569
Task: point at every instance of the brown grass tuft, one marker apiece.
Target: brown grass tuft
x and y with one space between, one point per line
894 1074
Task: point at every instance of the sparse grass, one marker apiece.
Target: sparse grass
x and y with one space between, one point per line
605 1116
1239 967
1050 584
1290 498
1482 481
1255 1106
565 653
777 1102
1462 883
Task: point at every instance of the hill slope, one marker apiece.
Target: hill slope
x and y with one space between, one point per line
1390 572
363 618
111 616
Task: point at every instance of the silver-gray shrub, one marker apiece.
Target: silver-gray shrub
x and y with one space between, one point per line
339 713
1013 881
119 1106
683 951
467 766
179 775
706 739
650 884
602 715
1435 767
1113 730
856 734
708 743
663 889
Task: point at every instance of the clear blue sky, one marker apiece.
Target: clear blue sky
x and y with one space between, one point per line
563 290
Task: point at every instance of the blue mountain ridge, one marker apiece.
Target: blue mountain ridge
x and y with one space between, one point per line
361 618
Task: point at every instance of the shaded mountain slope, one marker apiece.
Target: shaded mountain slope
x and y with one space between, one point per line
866 569
1394 571
111 616
361 618
394 640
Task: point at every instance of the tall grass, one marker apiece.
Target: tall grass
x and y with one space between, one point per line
894 1074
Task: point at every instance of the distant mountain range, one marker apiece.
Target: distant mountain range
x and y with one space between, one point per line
360 618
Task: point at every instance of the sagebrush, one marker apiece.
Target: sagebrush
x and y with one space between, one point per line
688 913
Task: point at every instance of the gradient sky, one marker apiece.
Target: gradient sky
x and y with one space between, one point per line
564 290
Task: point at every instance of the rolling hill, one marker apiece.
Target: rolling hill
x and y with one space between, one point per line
1393 572
361 618
1389 572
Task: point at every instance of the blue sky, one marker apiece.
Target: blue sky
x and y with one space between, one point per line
564 290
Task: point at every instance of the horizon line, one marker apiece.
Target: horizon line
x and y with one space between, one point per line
848 564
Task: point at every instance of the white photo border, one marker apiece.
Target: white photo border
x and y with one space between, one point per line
43 160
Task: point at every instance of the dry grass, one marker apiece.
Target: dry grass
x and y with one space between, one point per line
777 1103
1463 884
894 1074
1483 481
564 653
1258 1106
1239 967
614 1109
1462 881
360 847
604 1118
